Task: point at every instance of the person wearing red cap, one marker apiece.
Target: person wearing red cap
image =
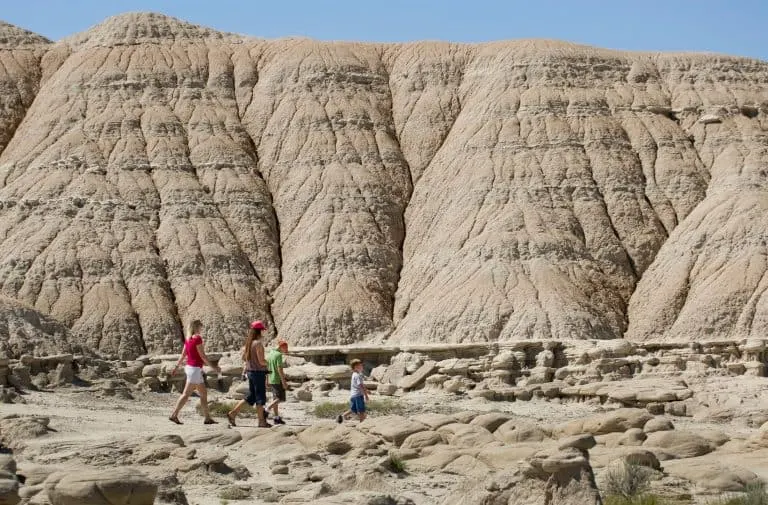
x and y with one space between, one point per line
256 369
277 379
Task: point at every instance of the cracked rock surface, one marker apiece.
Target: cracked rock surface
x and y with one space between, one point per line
153 171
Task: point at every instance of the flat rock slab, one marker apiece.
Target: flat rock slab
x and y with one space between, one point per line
467 435
418 377
393 429
433 420
619 420
711 475
222 438
491 421
106 486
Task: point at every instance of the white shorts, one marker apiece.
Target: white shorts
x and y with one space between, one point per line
194 375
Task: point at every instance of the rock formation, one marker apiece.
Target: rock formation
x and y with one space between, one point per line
24 330
424 192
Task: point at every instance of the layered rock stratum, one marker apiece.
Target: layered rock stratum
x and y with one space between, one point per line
153 171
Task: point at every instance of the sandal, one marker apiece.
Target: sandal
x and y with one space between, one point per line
175 419
231 419
210 421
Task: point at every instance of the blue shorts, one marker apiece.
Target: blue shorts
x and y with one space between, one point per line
257 388
357 405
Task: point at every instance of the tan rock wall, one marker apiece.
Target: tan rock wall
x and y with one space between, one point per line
424 192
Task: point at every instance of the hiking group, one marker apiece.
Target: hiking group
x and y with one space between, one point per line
259 369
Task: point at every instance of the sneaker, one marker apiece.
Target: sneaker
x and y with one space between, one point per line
210 421
340 419
278 420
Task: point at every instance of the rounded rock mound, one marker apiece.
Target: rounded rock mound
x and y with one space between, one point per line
135 28
13 37
24 330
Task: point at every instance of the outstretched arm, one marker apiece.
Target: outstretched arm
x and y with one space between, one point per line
181 359
201 351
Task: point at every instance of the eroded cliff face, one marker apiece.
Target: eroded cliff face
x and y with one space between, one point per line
346 192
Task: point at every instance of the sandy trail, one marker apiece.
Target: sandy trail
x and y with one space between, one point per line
79 418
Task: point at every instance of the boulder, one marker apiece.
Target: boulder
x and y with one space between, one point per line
436 380
464 417
394 373
9 484
658 424
220 437
9 489
491 421
517 431
642 457
422 439
105 486
393 429
303 395
377 373
580 442
712 476
386 389
504 360
454 366
433 420
466 435
467 466
418 377
678 444
633 437
334 438
619 420
552 478
15 431
152 370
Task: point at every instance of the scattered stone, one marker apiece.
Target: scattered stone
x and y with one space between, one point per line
101 487
658 424
386 389
303 395
418 377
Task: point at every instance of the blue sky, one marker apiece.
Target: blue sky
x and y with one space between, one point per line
737 27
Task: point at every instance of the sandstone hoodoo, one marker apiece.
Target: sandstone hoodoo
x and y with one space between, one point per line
151 169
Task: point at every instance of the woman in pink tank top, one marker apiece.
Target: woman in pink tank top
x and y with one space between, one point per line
195 355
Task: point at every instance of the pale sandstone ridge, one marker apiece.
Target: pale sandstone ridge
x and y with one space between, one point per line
20 73
423 192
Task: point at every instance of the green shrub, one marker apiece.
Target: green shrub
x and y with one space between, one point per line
396 464
385 407
381 407
646 499
220 409
628 481
754 494
329 410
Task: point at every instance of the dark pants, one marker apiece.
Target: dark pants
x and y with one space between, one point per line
257 388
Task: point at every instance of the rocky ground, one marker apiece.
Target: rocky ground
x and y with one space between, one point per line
87 431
